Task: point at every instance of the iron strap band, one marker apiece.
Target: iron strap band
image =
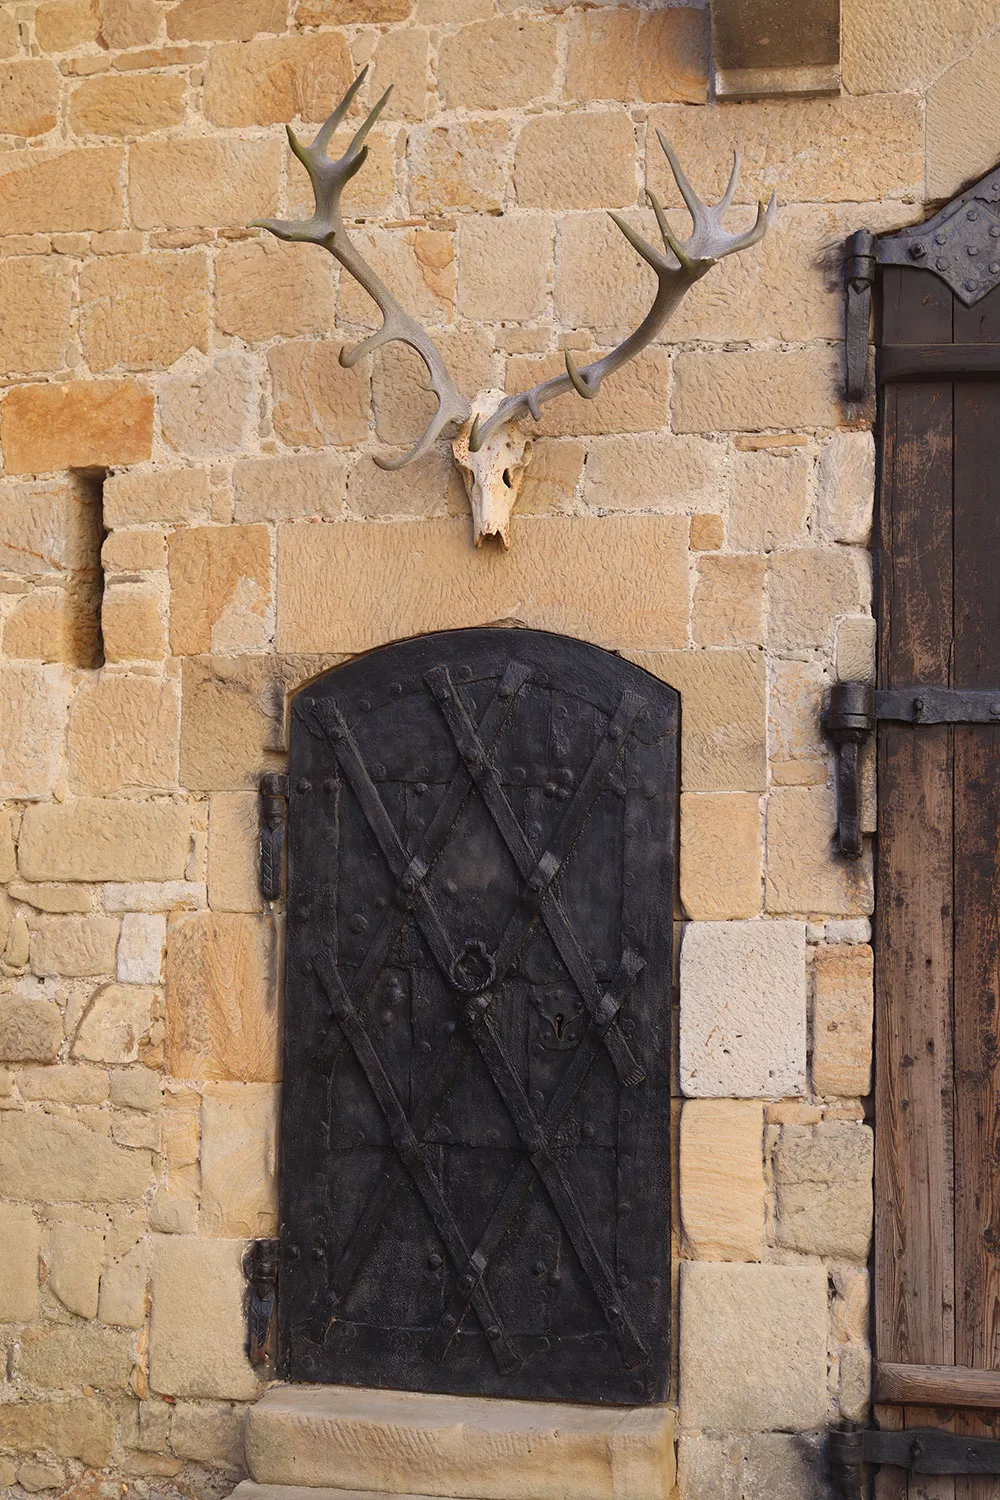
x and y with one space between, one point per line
921 1450
938 705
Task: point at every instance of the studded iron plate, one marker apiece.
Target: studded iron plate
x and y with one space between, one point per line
961 244
475 1131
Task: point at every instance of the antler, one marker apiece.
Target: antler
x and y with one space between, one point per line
676 270
326 228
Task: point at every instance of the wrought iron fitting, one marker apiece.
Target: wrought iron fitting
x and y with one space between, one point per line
273 813
260 1267
859 276
849 720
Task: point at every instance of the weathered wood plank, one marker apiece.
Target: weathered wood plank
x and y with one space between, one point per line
936 1385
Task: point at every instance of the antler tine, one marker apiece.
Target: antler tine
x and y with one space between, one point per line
734 178
687 192
330 124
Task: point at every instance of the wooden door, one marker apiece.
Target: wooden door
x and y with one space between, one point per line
937 1196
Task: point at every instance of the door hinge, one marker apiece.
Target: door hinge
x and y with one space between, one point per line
273 813
260 1267
920 1450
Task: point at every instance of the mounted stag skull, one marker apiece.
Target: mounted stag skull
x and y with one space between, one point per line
487 440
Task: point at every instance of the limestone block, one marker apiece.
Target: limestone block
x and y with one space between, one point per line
729 601
210 412
81 1427
82 424
723 734
56 1160
123 1289
166 895
619 581
753 1346
204 182
743 1009
136 1088
576 161
447 1445
842 979
266 289
75 1258
808 589
30 1030
962 112
145 310
54 1358
804 873
498 64
114 1023
823 1175
276 79
657 56
855 650
140 948
779 1467
20 1240
220 588
634 401
124 734
763 388
18 943
465 165
64 24
855 1383
52 191
133 629
847 488
653 471
198 1329
705 1468
795 714
285 488
769 500
316 401
722 1178
57 624
74 946
239 1128
224 20
222 1018
127 106
233 826
522 245
36 294
96 839
133 498
720 854
209 1433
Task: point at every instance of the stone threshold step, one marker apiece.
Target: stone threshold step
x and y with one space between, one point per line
248 1490
401 1443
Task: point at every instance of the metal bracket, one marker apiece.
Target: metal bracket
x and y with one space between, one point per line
849 720
273 812
920 1450
260 1267
859 276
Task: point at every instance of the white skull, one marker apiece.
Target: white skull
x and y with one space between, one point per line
493 475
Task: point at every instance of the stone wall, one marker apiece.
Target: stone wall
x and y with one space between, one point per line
188 496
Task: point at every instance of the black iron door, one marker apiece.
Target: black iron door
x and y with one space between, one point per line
475 1131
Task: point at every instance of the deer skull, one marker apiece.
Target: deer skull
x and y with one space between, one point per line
492 475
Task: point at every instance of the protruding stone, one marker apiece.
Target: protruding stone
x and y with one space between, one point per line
823 1175
198 1331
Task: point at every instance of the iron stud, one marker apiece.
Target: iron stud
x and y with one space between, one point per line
493 1331
467 1282
365 705
972 249
420 788
973 214
303 784
941 263
448 1321
435 1262
917 251
539 1268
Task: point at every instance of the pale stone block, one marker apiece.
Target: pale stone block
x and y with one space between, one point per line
64 1083
74 946
198 1328
33 704
804 872
353 12
36 295
133 498
498 64
221 998
720 854
731 392
722 1178
114 1023
140 948
134 550
36 1477
123 1289
400 59
576 161
145 310
447 1445
82 1427
705 1470
465 165
233 829
174 1209
30 99
167 895
962 113
503 267
128 106
779 1467
129 23
851 930
75 1258
210 1434
277 79
619 581
855 650
651 472
48 191
8 848
635 400
54 897
552 477
239 1128
846 493
30 1030
658 56
316 401
823 1175
55 1358
220 588
78 425
18 943
285 488
124 734
64 24
724 718
48 526
795 713
855 1383
419 265
55 624
843 1009
743 1009
190 184
212 412
225 20
265 289
769 500
809 589
56 1160
729 601
753 1346
132 625
136 1088
20 1241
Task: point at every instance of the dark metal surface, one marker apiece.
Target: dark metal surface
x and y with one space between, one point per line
260 1267
271 843
859 277
938 705
475 1129
919 1450
849 720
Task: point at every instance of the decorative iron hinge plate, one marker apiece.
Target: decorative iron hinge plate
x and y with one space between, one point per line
273 814
920 1450
260 1267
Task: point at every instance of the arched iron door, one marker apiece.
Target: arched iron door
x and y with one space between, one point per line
475 1184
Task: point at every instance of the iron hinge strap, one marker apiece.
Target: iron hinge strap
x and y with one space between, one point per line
920 1450
271 842
859 276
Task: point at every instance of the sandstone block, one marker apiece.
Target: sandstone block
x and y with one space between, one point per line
166 895
29 97
855 651
128 23
57 624
84 423
768 1320
211 412
30 1030
900 50
203 182
729 601
461 166
842 979
10 38
75 1257
37 298
239 1130
351 12
723 723
18 943
123 1289
400 59
651 472
62 25
133 498
285 488
8 848
795 713
786 1468
224 20
847 488
97 839
960 104
722 1178
136 1088
808 589
403 403
48 526
657 56
498 64
276 79
617 580
221 998
220 588
232 852
20 1238
855 1383
419 265
134 550
433 488
553 476
764 388
127 106
316 401
82 1427
743 1009
55 1160
198 1329
208 1433
576 161
634 400
132 626
140 948
114 1023
143 310
804 874
823 1175
60 191
74 946
123 735
769 500
55 1358
720 854
265 289
522 245
65 1083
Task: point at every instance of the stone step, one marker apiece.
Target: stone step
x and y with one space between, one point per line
250 1490
399 1443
